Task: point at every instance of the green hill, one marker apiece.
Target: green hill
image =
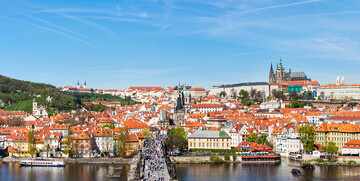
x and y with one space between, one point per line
18 95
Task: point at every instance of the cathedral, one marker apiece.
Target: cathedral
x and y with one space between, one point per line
281 76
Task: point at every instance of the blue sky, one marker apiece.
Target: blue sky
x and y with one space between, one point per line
115 44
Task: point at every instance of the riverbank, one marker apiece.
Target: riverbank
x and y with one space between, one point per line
100 160
340 161
198 159
206 159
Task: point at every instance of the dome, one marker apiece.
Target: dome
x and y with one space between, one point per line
186 93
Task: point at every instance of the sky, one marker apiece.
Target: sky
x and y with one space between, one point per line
114 44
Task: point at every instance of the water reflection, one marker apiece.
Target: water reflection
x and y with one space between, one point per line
251 172
13 171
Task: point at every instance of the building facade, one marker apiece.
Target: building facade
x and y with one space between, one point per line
202 139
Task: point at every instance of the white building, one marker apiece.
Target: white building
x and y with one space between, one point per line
340 90
206 107
231 89
352 147
104 141
236 134
60 128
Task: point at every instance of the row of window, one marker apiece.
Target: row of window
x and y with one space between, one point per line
209 144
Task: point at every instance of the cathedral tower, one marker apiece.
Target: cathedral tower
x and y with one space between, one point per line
271 75
280 71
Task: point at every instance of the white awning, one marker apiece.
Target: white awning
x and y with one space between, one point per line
345 152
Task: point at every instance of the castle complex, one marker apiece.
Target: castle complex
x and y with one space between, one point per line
281 76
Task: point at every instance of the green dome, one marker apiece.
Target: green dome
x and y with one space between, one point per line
186 93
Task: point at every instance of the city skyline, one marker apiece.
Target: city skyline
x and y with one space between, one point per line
113 45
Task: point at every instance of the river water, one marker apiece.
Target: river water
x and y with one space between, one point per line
191 172
254 172
81 172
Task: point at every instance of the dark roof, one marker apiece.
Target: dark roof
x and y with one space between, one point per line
295 74
243 84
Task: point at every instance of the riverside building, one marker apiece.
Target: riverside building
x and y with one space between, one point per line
202 139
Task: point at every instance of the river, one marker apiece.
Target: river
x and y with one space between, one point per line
13 172
254 172
191 172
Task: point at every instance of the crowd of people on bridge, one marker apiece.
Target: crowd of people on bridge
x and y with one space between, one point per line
155 166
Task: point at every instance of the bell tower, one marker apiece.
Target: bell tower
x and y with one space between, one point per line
34 106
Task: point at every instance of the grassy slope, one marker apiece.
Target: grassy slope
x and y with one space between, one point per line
21 105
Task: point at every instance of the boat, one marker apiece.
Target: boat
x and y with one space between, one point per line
295 157
308 166
42 162
295 172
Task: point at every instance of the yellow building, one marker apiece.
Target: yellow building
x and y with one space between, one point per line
209 140
339 133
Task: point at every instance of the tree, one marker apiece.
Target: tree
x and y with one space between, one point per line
331 149
112 108
31 143
246 95
74 151
222 94
111 126
47 147
15 122
122 138
234 156
322 95
258 95
146 132
247 103
293 95
242 93
307 137
309 95
295 104
233 93
226 156
253 137
177 138
252 93
17 146
262 139
278 94
69 144
107 142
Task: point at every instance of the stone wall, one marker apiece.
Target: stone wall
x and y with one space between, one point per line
197 159
345 159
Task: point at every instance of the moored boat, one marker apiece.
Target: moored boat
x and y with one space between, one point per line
42 162
308 166
295 172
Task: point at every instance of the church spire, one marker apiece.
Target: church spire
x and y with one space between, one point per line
280 64
271 68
